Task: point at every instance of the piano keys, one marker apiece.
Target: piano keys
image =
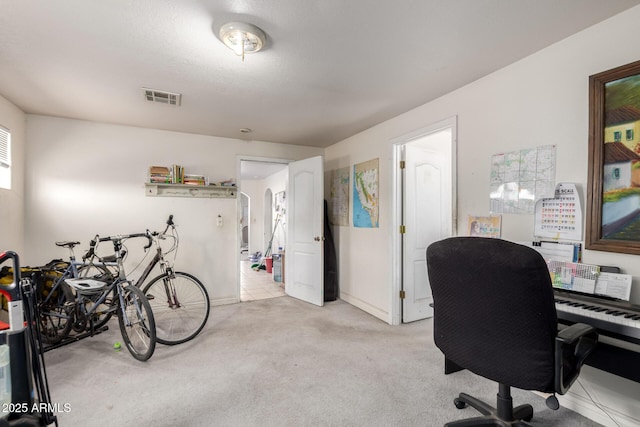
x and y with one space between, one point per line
612 318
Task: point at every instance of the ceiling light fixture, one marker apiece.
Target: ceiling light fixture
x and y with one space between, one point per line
242 38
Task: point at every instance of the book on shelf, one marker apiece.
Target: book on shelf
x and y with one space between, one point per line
159 180
159 175
190 179
177 174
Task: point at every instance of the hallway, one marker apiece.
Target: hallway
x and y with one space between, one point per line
257 285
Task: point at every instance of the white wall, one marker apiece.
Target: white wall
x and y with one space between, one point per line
364 254
541 100
255 189
276 183
87 178
12 201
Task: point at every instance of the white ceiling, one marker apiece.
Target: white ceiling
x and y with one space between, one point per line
331 68
258 170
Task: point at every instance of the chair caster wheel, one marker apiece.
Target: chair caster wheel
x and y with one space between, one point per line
459 403
552 402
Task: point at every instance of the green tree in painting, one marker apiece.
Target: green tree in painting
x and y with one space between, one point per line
622 92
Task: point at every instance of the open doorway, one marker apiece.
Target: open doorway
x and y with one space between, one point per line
262 180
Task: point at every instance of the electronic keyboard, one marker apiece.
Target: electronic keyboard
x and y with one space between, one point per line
618 319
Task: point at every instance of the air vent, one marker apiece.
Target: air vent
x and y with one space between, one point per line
162 97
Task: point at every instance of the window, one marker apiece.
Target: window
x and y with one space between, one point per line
617 136
616 173
629 134
5 158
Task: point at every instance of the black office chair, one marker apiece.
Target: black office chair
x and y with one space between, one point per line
494 315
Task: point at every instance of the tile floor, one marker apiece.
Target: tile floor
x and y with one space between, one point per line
255 285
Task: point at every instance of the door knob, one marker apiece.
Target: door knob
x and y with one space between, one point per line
319 239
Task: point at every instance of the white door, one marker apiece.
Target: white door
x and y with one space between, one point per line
304 263
427 216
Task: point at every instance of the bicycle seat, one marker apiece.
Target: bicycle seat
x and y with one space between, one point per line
67 244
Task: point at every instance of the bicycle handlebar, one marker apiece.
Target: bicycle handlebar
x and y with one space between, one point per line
147 234
170 223
92 245
119 237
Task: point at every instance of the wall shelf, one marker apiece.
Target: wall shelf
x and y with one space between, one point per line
183 190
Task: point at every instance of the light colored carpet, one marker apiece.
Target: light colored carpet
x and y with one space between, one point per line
275 362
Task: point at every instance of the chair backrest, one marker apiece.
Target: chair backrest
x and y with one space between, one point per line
494 311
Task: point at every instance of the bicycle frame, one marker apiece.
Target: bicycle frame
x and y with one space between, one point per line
82 298
133 309
157 259
116 284
72 271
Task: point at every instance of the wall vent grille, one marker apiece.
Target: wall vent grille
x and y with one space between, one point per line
162 97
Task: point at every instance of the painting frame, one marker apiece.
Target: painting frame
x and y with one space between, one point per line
597 181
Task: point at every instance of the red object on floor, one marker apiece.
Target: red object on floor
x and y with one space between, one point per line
268 262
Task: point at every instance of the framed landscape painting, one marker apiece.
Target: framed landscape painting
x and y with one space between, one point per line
613 193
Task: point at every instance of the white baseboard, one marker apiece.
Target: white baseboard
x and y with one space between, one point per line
366 307
589 409
223 301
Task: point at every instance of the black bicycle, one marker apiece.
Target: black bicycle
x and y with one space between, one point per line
134 312
56 302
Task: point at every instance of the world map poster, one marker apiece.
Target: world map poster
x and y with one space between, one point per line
365 194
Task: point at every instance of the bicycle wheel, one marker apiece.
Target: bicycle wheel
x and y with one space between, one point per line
104 311
55 312
180 305
136 323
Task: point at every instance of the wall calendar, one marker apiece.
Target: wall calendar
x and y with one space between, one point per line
559 217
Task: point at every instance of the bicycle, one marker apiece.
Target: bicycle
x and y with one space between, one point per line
56 297
135 316
179 301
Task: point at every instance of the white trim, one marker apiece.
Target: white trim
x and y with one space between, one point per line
239 159
366 307
396 242
584 406
395 317
223 301
5 139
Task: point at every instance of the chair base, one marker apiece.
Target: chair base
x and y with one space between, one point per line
504 415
